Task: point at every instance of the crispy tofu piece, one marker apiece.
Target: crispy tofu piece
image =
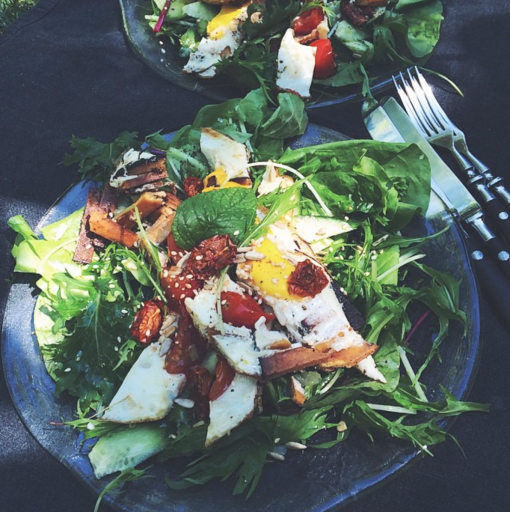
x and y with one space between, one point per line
159 231
85 247
144 179
289 361
111 230
298 393
146 167
147 203
348 357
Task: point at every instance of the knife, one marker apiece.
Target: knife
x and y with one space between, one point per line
388 122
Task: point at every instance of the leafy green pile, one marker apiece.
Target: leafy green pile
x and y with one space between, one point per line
402 34
84 313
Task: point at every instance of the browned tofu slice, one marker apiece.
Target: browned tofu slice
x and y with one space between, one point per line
147 203
289 361
348 357
111 230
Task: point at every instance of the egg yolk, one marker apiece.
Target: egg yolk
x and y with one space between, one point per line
217 179
270 275
222 21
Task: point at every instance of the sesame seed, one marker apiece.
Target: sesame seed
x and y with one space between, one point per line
236 232
183 296
276 456
295 446
148 332
199 257
342 426
67 370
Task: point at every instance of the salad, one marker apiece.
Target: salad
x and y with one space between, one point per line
301 47
226 299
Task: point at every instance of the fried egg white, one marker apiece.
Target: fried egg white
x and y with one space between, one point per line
296 63
223 37
312 321
223 152
234 406
148 391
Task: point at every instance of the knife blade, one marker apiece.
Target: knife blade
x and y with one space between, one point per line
388 122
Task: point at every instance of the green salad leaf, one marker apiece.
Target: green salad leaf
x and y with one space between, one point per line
229 211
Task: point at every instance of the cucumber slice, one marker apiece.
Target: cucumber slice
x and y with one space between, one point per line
126 448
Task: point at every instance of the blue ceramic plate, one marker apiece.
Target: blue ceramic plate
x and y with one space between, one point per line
314 480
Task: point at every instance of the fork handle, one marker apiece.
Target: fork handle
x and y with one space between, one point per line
496 186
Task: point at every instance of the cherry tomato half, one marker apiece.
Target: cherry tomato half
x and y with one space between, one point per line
324 59
224 377
242 310
308 21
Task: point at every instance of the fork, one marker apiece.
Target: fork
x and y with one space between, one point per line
428 116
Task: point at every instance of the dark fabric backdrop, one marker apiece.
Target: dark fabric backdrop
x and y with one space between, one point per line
66 68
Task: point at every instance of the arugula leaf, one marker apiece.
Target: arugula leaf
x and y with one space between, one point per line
449 406
91 314
228 211
422 435
96 159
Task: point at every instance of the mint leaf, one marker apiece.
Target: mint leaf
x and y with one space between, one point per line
229 211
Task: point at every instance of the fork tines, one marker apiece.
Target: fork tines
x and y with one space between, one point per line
421 104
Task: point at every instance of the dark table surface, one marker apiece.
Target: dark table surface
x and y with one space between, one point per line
66 68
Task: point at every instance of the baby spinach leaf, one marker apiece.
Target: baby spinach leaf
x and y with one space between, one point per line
288 120
228 211
424 24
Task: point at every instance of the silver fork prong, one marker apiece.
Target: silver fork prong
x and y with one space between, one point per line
431 99
431 128
409 107
428 109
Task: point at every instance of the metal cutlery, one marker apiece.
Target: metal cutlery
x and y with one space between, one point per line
428 116
388 122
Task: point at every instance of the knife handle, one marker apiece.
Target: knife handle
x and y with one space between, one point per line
499 217
494 246
500 254
495 287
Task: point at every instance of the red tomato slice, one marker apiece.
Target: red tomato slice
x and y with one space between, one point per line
308 21
224 376
242 310
324 59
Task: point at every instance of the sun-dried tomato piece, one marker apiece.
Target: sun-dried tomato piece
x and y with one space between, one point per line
354 14
307 279
178 284
175 253
211 255
199 383
147 323
187 350
193 186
